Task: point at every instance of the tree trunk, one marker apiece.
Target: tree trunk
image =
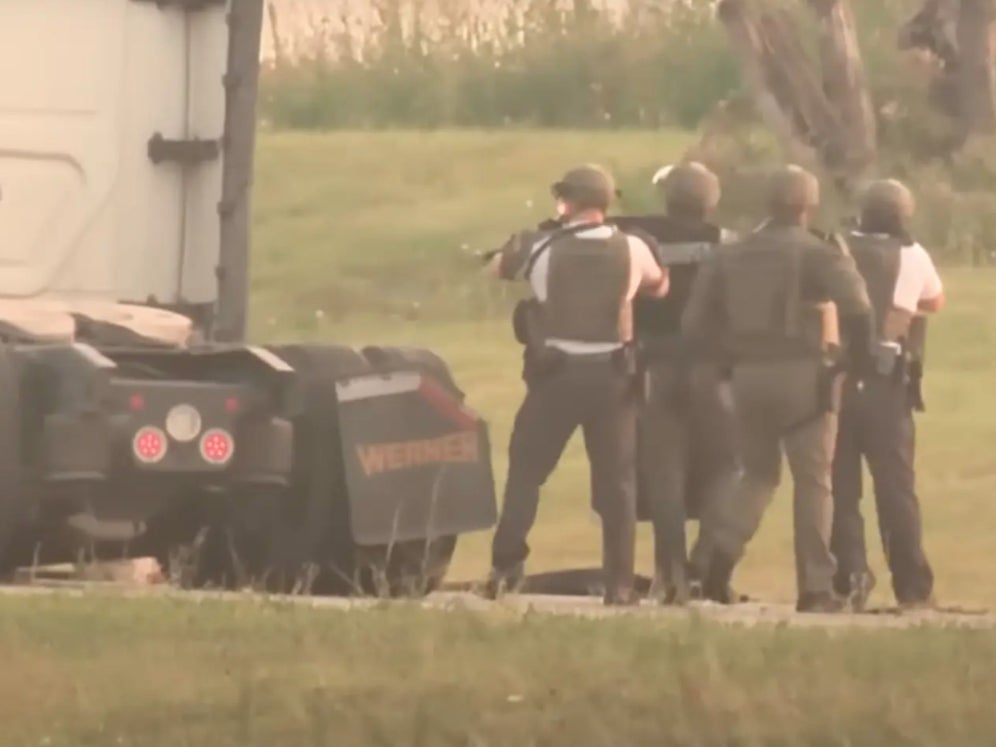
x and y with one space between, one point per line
752 52
959 35
845 84
821 114
976 90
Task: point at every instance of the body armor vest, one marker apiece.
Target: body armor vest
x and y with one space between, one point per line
681 247
878 259
586 288
761 281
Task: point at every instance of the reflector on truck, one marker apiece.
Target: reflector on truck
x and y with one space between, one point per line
417 460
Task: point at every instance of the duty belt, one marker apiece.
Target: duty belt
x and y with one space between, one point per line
602 357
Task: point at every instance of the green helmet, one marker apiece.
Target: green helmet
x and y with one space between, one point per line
793 188
888 199
588 186
692 187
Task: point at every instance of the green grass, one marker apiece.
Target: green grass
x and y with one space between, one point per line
360 226
85 673
355 224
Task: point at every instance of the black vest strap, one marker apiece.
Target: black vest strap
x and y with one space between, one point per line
549 242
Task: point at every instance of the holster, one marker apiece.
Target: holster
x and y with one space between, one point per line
829 390
914 384
904 370
632 363
829 393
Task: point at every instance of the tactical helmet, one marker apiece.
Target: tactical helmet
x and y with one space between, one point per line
588 186
691 187
888 199
793 189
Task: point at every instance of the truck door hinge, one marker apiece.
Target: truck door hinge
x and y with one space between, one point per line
183 151
187 5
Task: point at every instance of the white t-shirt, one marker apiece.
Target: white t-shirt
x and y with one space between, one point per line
643 270
918 279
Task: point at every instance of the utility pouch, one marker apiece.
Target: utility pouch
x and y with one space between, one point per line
886 356
525 321
540 361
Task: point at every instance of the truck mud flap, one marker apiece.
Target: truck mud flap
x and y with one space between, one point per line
417 460
388 359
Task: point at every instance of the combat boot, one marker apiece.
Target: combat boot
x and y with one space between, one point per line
628 598
861 586
716 585
672 589
821 602
671 595
918 605
504 581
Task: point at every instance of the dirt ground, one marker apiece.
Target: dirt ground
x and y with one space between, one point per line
746 614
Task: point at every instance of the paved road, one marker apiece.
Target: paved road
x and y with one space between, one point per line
750 614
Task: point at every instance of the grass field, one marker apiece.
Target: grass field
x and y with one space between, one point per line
353 230
87 673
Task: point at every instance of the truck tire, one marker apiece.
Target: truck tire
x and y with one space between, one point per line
12 490
314 534
406 569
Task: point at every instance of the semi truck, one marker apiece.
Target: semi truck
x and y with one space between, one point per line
135 417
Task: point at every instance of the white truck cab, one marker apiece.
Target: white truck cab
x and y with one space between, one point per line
112 114
127 134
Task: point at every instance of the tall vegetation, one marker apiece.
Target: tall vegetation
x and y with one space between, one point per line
609 64
535 63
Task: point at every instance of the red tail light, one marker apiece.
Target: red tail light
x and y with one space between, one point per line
217 446
149 445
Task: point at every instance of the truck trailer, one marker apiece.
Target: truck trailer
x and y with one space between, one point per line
135 418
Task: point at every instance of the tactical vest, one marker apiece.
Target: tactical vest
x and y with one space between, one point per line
761 286
878 258
586 287
682 247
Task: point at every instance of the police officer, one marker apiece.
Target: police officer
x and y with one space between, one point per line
579 371
762 297
876 420
686 450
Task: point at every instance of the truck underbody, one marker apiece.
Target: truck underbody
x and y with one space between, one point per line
279 466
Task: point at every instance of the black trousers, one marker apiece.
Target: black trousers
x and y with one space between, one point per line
596 394
688 461
876 423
